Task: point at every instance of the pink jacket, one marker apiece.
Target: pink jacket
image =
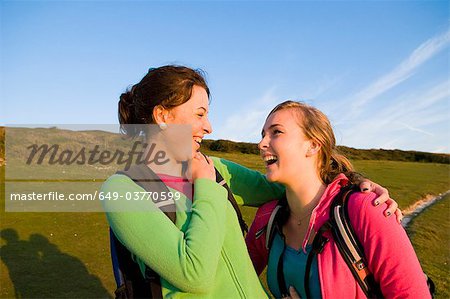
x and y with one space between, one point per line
389 253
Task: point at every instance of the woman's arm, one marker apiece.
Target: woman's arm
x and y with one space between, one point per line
389 253
180 258
249 187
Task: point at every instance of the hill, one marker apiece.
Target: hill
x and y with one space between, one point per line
352 153
65 137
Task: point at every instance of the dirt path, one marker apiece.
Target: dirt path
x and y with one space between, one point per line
418 207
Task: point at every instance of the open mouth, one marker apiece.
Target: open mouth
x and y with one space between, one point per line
198 140
269 160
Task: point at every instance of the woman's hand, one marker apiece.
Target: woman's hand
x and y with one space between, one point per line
202 167
383 197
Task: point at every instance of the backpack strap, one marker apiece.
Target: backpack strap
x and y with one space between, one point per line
142 175
221 181
352 250
318 244
280 270
131 284
274 225
270 227
276 220
430 284
348 244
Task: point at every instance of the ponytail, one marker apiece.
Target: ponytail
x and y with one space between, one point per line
336 164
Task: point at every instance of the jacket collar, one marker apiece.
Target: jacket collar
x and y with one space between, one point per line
320 214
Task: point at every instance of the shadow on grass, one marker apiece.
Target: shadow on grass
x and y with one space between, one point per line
37 268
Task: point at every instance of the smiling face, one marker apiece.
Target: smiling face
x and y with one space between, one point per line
284 147
194 112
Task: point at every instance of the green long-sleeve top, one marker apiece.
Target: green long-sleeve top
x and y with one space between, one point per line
202 255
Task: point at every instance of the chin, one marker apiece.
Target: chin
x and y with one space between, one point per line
195 147
271 178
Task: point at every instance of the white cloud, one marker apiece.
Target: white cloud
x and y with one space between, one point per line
403 71
406 123
413 120
414 129
421 108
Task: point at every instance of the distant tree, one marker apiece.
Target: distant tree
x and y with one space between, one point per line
220 146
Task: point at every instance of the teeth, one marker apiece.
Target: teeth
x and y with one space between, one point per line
198 140
270 158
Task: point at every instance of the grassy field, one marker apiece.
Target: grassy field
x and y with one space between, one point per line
67 254
430 234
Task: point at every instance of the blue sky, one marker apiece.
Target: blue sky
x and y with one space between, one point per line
378 69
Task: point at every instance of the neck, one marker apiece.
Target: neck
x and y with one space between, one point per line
166 164
304 195
172 168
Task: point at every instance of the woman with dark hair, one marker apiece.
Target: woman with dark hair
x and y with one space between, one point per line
202 254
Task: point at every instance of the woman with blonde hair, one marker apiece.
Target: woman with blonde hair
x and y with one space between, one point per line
299 149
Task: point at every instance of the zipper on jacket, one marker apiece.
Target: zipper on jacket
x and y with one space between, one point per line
233 274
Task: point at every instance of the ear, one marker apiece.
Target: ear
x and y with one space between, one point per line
160 114
314 148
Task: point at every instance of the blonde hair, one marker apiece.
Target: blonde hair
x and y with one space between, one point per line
317 127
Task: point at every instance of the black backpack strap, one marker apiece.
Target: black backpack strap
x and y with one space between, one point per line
274 226
133 284
153 279
136 286
142 175
430 284
280 271
348 244
221 181
276 221
350 247
271 226
318 244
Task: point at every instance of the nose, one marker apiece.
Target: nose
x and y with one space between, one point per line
207 128
264 143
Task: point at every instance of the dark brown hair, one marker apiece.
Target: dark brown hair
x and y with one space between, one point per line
316 126
168 86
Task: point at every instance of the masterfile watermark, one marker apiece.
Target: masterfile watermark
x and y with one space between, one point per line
54 155
92 168
97 195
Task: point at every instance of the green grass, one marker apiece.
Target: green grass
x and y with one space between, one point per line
407 181
67 254
54 255
430 235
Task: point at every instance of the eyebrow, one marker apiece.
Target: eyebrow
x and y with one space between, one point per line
272 126
203 108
